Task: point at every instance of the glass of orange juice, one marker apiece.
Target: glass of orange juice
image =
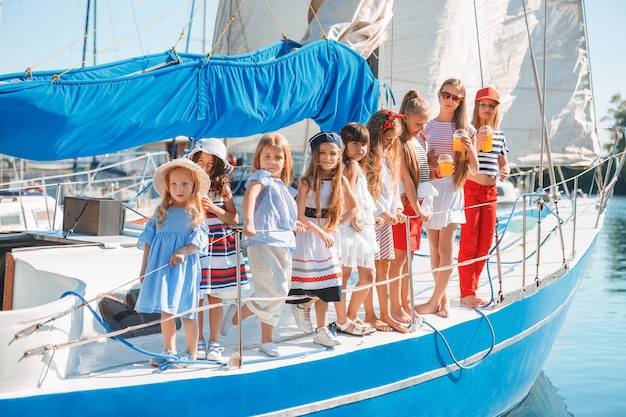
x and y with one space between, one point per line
487 144
457 143
445 165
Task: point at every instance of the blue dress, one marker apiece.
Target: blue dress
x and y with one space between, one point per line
171 290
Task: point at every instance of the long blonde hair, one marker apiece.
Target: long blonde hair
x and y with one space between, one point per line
494 121
376 126
275 139
193 205
412 104
461 163
314 178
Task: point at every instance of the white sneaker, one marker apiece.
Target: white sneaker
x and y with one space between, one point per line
302 315
324 337
201 349
214 353
270 349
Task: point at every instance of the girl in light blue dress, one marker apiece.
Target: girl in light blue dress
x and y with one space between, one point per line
172 241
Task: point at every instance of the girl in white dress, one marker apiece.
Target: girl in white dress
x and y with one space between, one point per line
383 182
358 237
317 258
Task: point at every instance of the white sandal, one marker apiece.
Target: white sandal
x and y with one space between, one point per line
357 329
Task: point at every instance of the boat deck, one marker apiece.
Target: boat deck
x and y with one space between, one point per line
108 263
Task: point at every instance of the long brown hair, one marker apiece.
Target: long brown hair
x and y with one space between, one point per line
219 179
314 177
412 104
193 206
355 132
375 125
461 163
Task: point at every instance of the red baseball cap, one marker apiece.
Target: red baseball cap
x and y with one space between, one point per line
487 93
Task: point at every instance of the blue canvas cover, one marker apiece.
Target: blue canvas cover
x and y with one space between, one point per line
116 106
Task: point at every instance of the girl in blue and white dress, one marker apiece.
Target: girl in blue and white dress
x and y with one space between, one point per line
358 237
172 242
317 268
219 266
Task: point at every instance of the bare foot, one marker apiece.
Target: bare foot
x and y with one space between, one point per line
401 316
444 309
472 301
427 308
379 325
394 324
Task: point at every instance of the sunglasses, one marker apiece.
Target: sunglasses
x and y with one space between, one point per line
447 96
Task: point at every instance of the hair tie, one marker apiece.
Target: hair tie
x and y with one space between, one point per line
391 118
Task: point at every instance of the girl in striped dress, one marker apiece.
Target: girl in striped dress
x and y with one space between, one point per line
383 182
219 266
317 268
413 171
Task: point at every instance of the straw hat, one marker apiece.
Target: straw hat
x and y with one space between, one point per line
159 176
213 147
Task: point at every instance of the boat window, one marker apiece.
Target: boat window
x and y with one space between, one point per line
10 219
43 215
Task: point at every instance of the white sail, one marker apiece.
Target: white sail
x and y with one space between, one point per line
480 42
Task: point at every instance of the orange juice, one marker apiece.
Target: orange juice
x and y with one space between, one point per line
457 143
445 165
487 144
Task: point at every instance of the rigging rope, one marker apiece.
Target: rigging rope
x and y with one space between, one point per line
58 76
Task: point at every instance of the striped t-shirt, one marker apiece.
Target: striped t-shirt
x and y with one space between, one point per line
488 161
438 136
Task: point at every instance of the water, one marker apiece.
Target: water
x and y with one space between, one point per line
585 374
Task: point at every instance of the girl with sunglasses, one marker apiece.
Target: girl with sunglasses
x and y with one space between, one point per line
448 209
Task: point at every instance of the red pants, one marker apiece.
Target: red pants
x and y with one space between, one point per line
476 233
415 231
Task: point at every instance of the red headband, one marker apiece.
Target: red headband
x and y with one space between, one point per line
391 117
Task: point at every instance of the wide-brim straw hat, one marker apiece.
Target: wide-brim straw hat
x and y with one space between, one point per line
158 179
213 147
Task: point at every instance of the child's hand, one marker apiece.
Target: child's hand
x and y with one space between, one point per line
424 216
176 259
400 216
356 225
300 227
378 221
249 230
328 239
206 203
389 218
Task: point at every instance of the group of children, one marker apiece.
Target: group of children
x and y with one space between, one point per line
352 204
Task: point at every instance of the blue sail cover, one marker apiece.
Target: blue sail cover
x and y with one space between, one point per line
116 106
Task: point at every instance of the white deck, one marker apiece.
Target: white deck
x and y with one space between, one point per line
108 363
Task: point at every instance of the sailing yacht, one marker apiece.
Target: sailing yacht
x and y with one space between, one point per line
56 347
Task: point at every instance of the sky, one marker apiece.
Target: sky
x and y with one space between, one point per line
47 26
